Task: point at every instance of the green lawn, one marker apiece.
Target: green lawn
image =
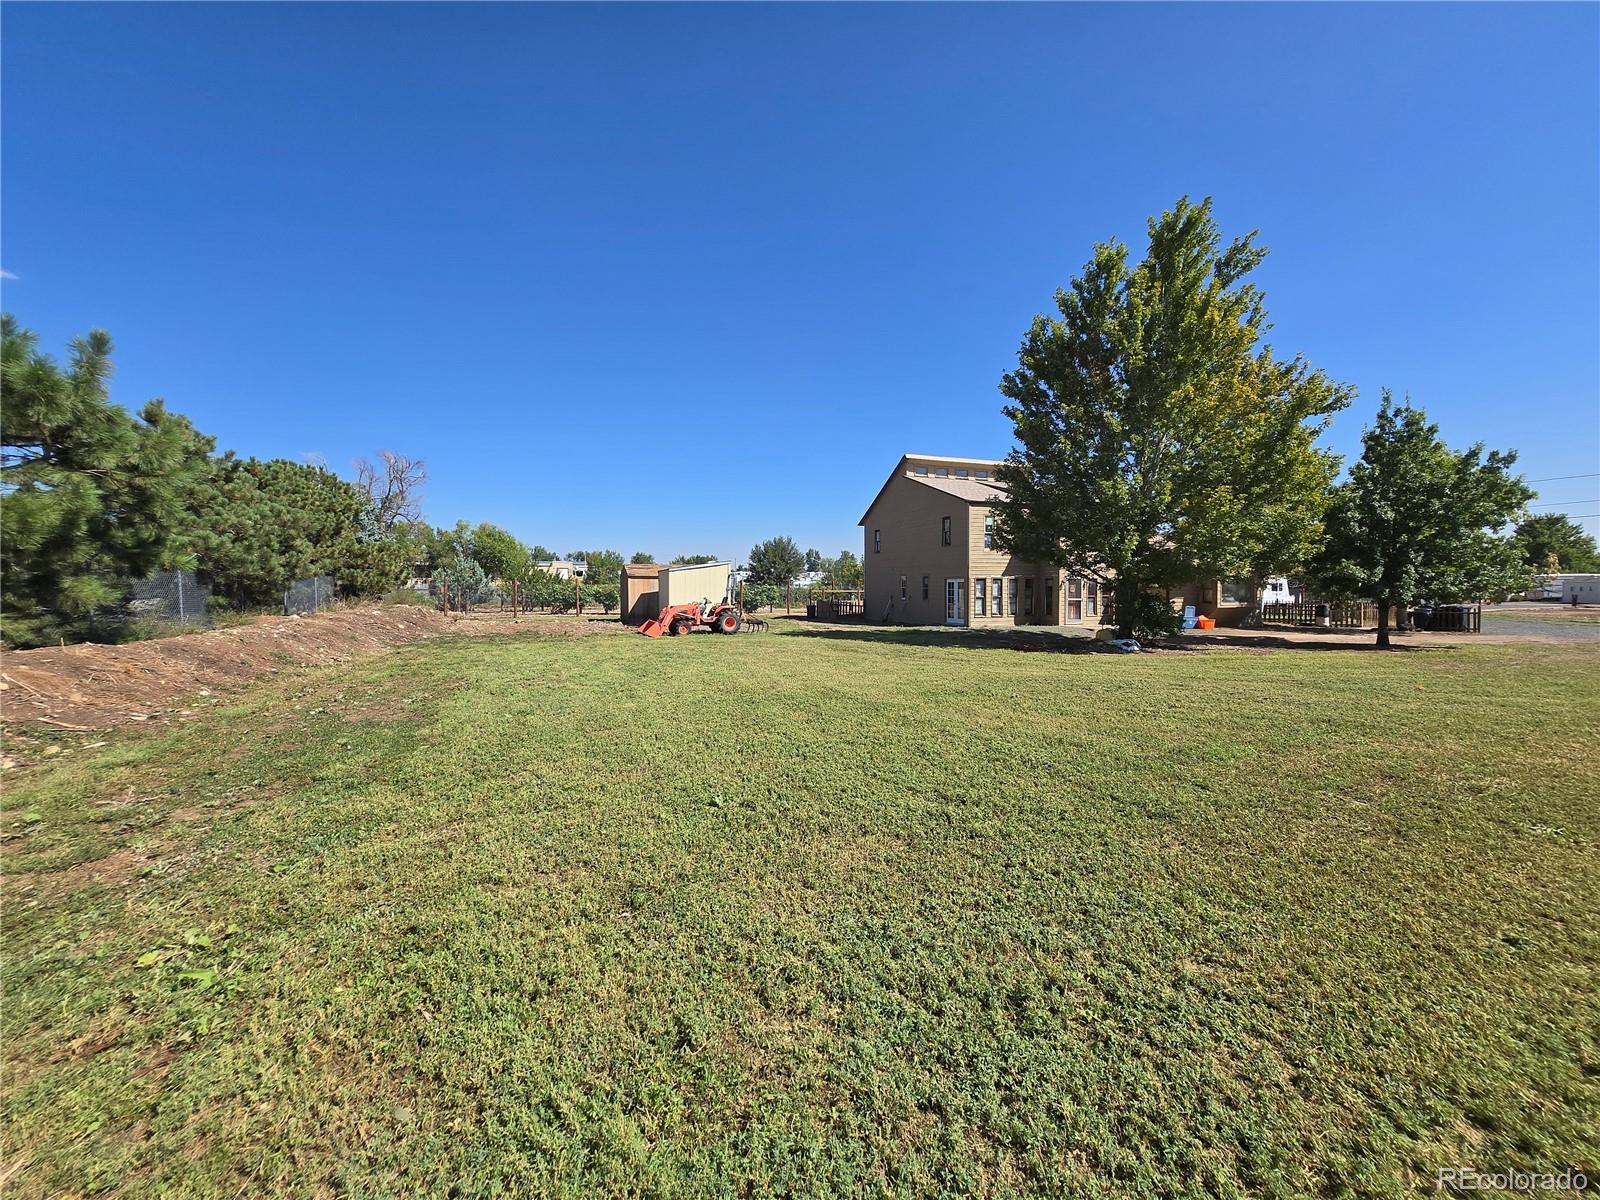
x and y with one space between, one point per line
816 915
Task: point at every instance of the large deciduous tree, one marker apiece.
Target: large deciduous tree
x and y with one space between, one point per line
394 487
1554 542
89 496
1417 520
1159 438
777 561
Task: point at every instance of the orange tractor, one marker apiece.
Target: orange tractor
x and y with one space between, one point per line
679 619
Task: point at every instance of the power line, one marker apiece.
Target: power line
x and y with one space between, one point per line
1553 478
1559 503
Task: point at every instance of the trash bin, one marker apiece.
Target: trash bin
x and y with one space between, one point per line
1324 615
811 612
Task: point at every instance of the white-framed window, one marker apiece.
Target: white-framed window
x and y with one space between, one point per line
961 472
995 597
944 532
877 541
988 533
1091 598
1011 594
981 474
924 587
1074 599
902 587
919 470
979 607
941 472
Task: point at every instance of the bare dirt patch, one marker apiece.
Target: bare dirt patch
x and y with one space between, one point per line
88 687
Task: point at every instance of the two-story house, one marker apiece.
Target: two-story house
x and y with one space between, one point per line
930 559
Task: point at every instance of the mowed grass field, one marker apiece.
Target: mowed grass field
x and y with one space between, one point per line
790 915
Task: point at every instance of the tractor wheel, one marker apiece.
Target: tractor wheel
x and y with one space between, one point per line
728 621
681 626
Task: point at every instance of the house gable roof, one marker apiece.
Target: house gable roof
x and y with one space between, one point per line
991 488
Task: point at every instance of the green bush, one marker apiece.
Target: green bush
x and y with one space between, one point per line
1155 617
761 595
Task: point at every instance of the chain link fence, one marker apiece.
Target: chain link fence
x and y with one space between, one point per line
309 595
175 597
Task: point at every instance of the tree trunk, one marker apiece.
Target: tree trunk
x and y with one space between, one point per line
1383 622
1252 612
1126 601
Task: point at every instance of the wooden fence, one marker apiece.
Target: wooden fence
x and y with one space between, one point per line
1341 615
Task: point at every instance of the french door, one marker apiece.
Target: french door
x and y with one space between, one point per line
955 601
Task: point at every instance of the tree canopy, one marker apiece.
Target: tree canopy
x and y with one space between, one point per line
642 558
1417 520
693 560
498 552
1158 438
1554 542
89 496
777 561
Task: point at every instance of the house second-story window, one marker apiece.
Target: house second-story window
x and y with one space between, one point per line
919 470
941 472
944 532
961 472
988 533
924 587
981 474
877 541
902 587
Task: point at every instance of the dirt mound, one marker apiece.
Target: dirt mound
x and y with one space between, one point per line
87 687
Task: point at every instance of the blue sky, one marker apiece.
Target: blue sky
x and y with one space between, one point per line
559 252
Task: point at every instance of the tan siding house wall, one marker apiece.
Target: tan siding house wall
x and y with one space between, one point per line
910 517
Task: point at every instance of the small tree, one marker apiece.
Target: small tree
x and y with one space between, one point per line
547 590
847 572
693 560
776 561
1419 520
813 560
761 595
601 564
642 558
1159 438
498 552
467 582
603 592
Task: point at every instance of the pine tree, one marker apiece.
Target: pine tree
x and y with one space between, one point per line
89 496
